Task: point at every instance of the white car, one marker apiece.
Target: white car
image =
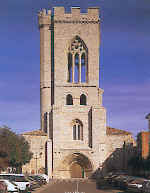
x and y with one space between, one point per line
11 187
44 176
18 179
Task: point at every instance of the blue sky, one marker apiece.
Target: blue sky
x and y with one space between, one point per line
124 61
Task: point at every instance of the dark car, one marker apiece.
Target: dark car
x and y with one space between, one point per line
111 179
33 184
37 179
136 185
125 181
117 180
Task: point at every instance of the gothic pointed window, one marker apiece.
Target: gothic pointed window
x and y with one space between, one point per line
77 61
76 69
69 100
83 68
82 99
74 132
69 67
77 130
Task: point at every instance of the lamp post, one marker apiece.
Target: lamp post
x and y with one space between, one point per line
37 156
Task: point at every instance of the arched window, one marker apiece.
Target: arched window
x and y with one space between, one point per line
76 69
77 61
82 99
69 100
69 67
77 130
83 68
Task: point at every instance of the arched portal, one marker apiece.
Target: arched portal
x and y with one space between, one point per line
77 165
76 170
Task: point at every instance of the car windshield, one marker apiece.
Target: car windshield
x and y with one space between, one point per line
137 181
20 179
6 177
14 178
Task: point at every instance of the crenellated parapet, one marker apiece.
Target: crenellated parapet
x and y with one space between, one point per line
60 16
44 17
92 15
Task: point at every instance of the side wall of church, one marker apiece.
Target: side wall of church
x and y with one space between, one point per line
120 149
37 147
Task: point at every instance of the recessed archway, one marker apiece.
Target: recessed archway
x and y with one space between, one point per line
76 171
77 165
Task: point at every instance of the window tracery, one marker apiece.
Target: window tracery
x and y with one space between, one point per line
77 61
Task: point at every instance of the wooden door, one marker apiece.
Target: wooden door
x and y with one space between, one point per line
76 171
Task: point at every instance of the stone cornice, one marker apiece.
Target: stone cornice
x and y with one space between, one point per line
78 21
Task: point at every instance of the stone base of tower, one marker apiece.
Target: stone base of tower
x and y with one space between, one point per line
74 163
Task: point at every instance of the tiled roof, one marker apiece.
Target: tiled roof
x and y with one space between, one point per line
113 131
38 132
109 131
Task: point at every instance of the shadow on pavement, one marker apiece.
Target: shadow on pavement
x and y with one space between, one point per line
102 185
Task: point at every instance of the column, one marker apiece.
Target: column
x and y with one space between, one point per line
45 63
48 125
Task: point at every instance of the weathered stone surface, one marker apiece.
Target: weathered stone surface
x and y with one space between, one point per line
74 32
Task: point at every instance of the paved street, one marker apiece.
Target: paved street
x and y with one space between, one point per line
74 186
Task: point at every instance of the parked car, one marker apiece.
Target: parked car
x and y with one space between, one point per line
117 180
146 187
33 184
125 181
136 185
46 177
18 179
3 187
10 186
110 179
37 179
40 179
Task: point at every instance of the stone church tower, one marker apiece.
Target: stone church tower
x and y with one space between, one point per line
72 113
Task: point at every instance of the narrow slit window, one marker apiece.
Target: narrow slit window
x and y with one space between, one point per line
74 132
69 67
79 132
83 68
82 99
76 70
69 100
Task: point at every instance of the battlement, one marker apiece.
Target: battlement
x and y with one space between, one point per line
44 12
44 17
75 15
59 13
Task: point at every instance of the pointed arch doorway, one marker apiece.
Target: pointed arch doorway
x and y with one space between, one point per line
76 171
77 165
